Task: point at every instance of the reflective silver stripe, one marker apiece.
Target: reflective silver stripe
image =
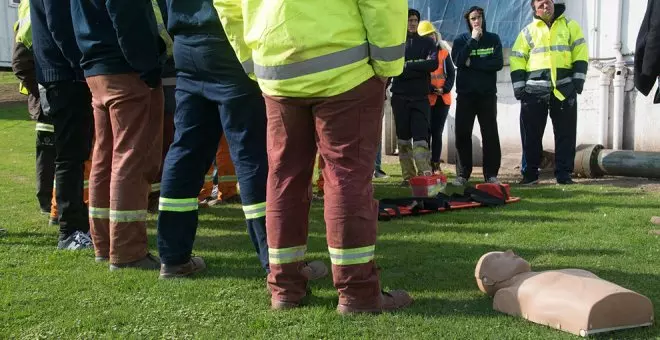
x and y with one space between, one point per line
128 215
528 36
542 83
564 81
551 48
519 84
169 81
518 54
581 76
248 66
578 42
24 21
391 53
314 65
45 127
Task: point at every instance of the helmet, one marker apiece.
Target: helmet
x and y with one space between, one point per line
425 28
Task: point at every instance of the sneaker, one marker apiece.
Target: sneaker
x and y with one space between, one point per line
314 270
208 202
493 180
460 181
529 181
214 191
195 265
390 301
380 174
148 262
100 259
75 241
405 184
565 181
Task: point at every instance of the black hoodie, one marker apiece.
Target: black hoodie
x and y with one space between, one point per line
485 57
421 60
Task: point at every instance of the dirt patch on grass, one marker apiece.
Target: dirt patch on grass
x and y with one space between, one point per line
9 96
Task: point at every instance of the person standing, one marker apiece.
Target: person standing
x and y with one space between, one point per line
549 63
122 56
410 103
25 70
442 82
65 98
478 58
328 97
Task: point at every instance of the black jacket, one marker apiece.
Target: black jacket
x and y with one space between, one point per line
54 46
647 52
421 59
116 37
485 58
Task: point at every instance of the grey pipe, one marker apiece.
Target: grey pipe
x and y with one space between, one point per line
595 161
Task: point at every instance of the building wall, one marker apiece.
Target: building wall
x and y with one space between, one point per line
8 16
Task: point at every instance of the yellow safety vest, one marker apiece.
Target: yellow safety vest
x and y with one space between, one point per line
293 54
162 30
23 26
549 59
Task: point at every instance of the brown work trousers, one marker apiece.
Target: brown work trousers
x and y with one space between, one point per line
346 130
128 118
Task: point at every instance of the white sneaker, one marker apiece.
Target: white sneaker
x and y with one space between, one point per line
75 241
493 180
460 181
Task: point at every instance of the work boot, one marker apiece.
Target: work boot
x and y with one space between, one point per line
406 159
148 262
286 305
529 181
493 180
378 173
390 301
460 181
565 181
422 157
655 220
100 259
195 265
314 270
435 167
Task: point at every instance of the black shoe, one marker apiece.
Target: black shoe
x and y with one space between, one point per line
565 181
380 174
529 181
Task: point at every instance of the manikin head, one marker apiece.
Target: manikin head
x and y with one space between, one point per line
496 267
544 9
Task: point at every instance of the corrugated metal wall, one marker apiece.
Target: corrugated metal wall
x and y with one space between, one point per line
8 15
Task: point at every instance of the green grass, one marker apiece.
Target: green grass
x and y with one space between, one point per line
45 293
8 78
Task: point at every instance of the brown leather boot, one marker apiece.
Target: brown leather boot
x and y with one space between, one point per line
390 301
195 265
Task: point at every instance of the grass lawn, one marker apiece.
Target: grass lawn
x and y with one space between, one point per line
8 78
45 293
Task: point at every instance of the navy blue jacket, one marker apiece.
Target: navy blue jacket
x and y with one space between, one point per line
421 59
485 60
118 37
193 18
56 54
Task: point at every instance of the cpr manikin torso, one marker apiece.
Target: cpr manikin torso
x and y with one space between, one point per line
571 300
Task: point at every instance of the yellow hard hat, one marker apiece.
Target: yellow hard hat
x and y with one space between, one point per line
425 28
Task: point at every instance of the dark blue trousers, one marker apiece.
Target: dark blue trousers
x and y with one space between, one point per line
213 94
533 118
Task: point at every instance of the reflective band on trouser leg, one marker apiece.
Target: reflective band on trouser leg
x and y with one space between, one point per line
208 178
45 127
178 204
286 255
101 213
85 184
120 216
345 257
227 179
155 187
254 211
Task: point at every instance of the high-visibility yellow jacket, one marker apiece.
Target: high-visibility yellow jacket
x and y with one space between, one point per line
315 48
548 60
23 26
162 30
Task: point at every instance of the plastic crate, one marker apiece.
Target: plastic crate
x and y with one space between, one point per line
428 186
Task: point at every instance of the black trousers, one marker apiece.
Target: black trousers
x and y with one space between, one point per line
533 118
69 105
45 161
439 113
484 108
411 116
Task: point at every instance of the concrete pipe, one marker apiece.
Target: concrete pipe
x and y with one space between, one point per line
595 161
